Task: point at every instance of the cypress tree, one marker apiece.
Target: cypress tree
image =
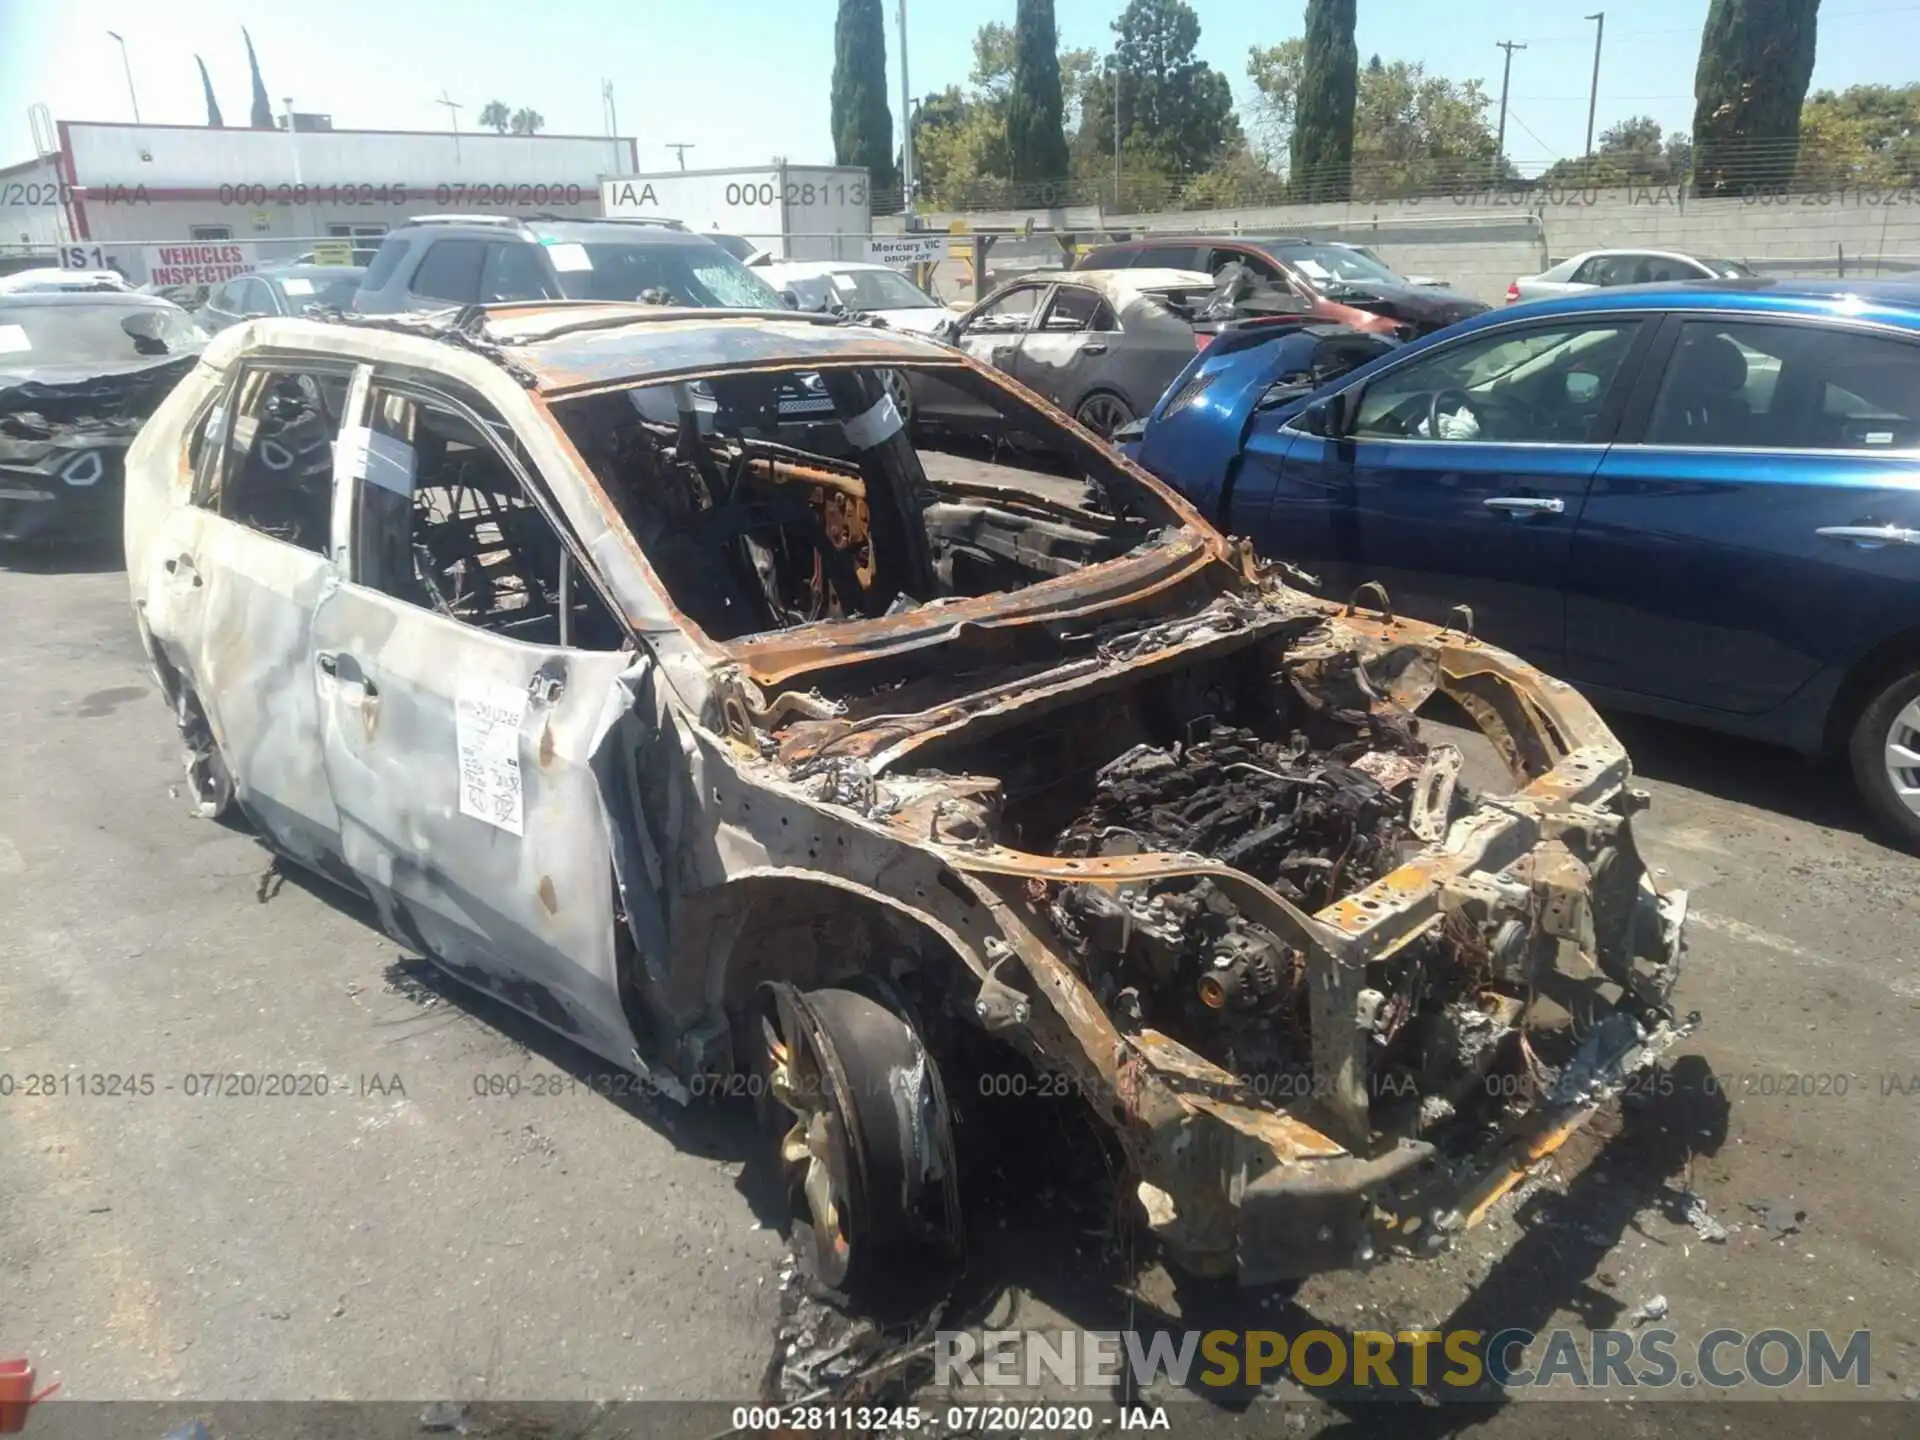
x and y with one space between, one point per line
206 85
862 121
1323 114
1035 135
1756 59
262 107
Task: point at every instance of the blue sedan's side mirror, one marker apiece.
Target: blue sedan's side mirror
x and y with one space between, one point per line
789 299
1329 418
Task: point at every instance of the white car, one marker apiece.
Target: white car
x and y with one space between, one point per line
857 286
1431 282
1592 269
48 278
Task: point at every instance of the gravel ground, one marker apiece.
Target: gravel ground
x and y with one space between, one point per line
404 1236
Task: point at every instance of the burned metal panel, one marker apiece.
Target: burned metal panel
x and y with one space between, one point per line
233 610
663 347
469 803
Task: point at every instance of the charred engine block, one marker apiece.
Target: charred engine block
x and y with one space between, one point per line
1311 826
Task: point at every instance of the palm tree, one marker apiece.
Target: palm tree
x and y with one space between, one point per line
528 122
494 114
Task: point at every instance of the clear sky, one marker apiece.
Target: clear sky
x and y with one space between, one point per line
744 80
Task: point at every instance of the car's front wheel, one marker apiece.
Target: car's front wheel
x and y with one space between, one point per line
1885 751
1103 413
868 1149
901 393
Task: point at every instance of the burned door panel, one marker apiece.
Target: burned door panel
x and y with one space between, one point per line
992 334
461 713
234 583
462 766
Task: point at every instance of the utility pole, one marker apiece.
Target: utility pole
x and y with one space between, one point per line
906 121
680 151
1116 127
1506 74
127 65
612 117
453 119
1593 94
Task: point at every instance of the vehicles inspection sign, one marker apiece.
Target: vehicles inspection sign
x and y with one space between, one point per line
197 264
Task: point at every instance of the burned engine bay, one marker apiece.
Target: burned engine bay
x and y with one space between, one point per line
1295 905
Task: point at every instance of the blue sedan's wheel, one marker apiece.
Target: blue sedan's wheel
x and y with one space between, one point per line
1885 751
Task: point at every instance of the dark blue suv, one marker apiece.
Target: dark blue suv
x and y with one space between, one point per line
1700 501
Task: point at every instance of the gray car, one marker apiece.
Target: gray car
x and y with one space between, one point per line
283 290
1100 344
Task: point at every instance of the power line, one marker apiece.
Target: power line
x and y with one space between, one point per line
1514 115
1826 18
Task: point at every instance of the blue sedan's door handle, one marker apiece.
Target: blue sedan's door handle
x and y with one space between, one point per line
1526 504
1870 535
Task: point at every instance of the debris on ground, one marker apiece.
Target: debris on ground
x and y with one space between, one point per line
1694 1211
823 1351
1779 1216
1648 1310
444 1415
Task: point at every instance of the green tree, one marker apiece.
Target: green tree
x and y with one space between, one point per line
262 107
1175 112
960 149
1632 152
495 116
1276 72
1864 135
206 86
1035 139
1756 59
527 122
1322 148
1414 133
862 122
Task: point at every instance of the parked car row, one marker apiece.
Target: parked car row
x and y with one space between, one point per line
1697 500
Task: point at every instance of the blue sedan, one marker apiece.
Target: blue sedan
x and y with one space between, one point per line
1697 501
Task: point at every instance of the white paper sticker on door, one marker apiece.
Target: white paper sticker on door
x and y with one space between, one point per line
487 719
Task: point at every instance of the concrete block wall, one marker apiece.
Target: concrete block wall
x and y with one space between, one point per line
1479 242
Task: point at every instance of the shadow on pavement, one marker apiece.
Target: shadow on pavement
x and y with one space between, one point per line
724 1130
1745 772
1632 1160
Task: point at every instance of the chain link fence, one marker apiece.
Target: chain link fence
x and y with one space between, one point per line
1726 170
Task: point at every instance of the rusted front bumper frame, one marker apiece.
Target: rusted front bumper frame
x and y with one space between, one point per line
1233 1183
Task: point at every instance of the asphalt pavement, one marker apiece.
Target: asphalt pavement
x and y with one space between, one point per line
250 1149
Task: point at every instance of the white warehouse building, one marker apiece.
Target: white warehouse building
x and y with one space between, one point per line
118 189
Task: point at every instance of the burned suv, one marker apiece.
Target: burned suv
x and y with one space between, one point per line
863 768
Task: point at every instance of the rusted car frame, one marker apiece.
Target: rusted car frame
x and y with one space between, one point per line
832 853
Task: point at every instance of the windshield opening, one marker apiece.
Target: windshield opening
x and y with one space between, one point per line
878 290
703 276
107 333
783 497
1333 262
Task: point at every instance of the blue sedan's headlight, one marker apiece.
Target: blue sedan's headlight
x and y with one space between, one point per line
1188 393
